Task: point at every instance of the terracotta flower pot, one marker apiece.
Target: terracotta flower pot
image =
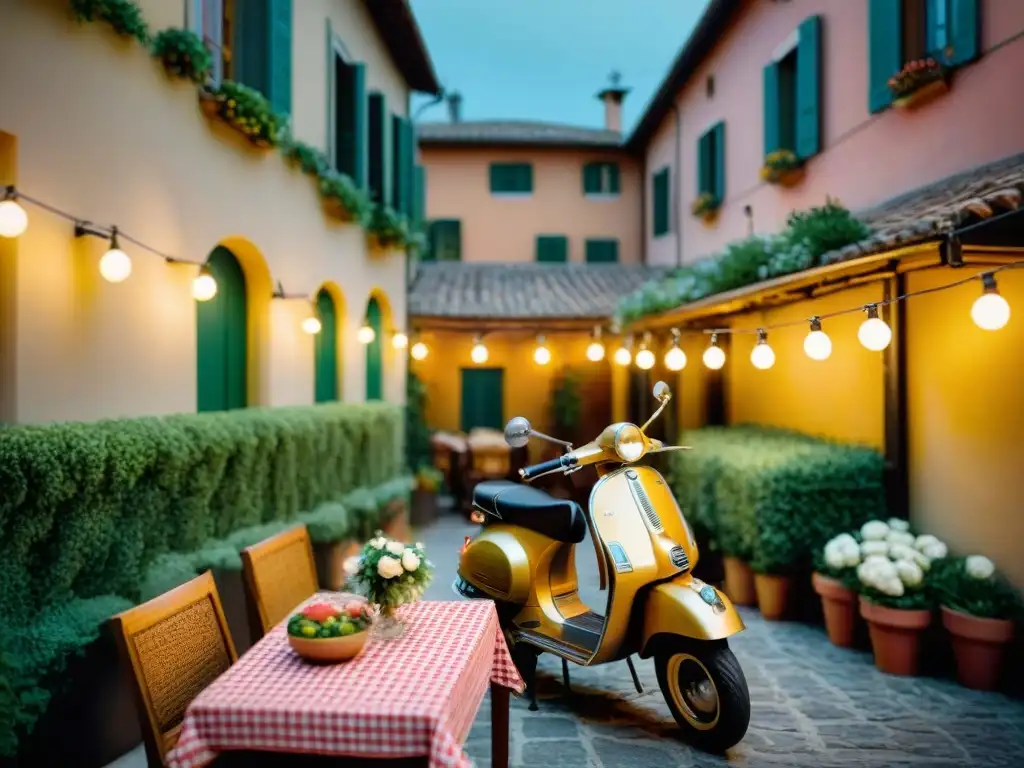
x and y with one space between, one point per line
840 608
739 582
979 646
772 594
895 636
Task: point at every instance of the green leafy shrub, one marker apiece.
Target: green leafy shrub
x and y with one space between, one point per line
774 497
417 433
390 228
123 16
825 228
350 202
311 160
183 54
249 112
971 585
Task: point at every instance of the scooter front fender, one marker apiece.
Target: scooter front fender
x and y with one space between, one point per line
688 607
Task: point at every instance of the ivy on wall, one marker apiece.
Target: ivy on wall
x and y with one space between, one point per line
183 55
808 236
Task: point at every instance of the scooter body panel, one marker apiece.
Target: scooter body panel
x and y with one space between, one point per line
687 607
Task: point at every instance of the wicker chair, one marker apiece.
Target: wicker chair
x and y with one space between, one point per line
176 645
280 572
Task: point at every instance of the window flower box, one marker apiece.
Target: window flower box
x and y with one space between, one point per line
918 83
782 167
705 207
244 109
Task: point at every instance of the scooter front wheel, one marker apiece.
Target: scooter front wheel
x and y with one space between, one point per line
706 691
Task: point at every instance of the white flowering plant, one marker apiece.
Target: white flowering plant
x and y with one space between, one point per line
972 585
389 572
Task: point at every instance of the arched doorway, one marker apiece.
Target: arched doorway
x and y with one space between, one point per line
326 349
221 331
375 352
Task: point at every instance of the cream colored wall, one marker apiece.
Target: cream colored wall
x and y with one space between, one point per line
865 159
504 228
103 134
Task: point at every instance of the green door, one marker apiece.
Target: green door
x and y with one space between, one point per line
375 353
326 349
221 346
483 392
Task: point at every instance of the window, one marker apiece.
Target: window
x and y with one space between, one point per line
379 145
511 178
601 179
901 31
419 194
445 240
711 162
602 250
375 352
792 85
660 209
552 248
482 398
325 350
208 19
403 170
349 142
709 86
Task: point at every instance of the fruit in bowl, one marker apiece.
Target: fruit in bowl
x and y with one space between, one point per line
325 632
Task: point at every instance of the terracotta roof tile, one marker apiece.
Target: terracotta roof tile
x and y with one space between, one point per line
505 132
528 291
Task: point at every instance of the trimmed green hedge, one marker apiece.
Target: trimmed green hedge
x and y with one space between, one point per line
87 509
774 497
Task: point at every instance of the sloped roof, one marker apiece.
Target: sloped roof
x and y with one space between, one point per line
515 132
401 34
527 291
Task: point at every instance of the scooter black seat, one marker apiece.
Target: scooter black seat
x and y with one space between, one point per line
532 508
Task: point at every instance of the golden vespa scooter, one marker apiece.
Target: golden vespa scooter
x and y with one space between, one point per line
524 560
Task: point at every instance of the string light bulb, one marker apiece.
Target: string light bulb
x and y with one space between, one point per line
714 355
622 355
817 344
479 353
595 352
312 324
762 356
675 358
13 218
115 264
399 340
541 355
419 351
644 357
204 286
990 311
873 333
366 334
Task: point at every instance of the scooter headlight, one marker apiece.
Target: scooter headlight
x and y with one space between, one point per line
629 442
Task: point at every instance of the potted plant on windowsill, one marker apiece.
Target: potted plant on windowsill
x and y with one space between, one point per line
979 610
918 82
835 581
782 167
705 207
246 110
341 198
894 597
387 229
183 55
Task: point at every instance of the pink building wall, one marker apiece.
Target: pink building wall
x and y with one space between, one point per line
499 228
864 159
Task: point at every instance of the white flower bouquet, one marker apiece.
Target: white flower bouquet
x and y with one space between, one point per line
971 585
390 573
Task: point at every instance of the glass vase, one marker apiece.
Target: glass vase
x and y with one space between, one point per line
389 625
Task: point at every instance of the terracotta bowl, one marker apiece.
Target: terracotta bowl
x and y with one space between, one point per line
329 649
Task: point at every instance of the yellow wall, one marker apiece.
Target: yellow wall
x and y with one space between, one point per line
505 228
103 134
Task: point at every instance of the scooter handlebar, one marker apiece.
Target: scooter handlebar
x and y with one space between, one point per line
536 470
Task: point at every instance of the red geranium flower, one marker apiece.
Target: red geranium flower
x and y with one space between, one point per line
319 612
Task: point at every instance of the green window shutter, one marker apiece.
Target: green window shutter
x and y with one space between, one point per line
350 124
808 89
446 240
592 178
719 162
326 350
602 251
704 166
772 136
379 147
885 50
280 93
963 17
419 212
402 179
262 49
221 342
482 398
660 208
613 178
552 248
409 166
511 177
375 353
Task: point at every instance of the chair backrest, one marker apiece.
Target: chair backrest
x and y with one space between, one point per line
176 645
280 573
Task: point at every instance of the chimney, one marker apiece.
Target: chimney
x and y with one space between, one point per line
455 106
612 97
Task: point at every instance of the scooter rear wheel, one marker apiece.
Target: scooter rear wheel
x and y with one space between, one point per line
706 691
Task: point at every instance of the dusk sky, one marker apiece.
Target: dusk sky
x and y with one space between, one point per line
547 59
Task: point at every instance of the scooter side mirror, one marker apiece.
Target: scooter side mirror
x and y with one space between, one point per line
662 392
518 431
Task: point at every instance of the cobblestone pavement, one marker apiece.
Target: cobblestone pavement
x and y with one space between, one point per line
813 705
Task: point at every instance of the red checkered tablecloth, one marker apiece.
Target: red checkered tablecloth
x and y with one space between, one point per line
413 695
